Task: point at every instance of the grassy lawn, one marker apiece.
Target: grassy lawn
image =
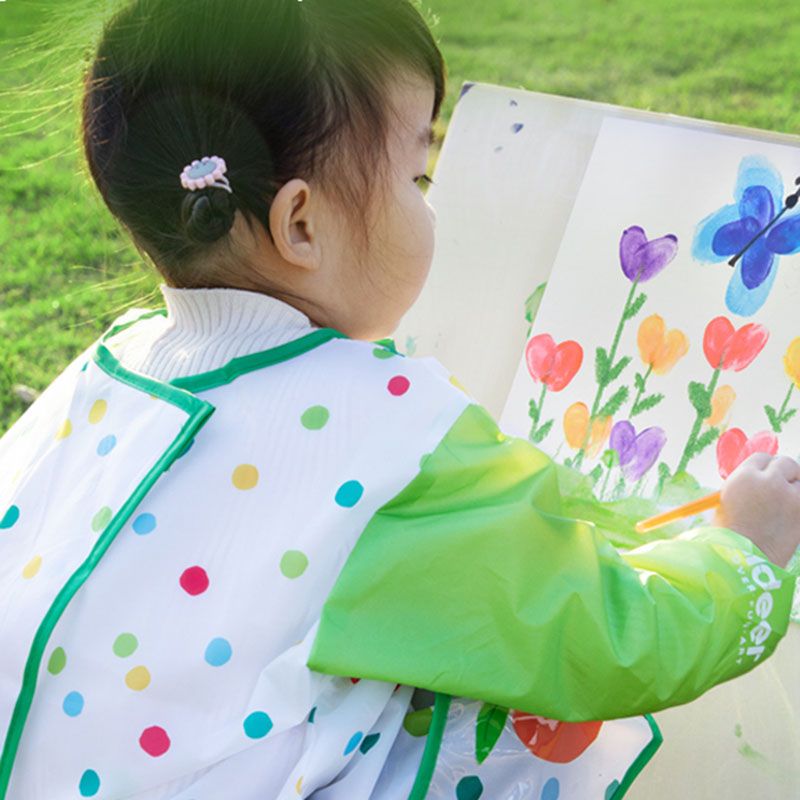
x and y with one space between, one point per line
66 270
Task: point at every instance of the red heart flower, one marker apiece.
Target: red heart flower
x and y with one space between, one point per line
727 348
733 447
554 365
552 740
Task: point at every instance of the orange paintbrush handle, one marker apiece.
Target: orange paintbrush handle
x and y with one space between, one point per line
695 507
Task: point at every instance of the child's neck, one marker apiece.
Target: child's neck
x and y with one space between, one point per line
206 328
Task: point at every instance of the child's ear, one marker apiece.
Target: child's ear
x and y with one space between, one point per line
292 224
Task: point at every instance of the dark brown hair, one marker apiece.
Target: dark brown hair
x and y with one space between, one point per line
278 88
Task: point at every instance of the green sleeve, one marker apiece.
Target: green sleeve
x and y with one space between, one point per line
471 583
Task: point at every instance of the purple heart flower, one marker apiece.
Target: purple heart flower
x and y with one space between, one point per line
636 453
642 259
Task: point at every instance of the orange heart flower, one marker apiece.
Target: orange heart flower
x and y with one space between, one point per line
576 426
721 403
791 361
659 348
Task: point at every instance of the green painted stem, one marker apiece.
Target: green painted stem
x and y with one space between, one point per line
641 391
612 355
698 423
605 484
601 387
785 402
538 412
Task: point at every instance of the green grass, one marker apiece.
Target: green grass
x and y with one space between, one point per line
66 269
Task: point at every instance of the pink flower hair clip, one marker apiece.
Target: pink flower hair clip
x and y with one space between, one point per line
206 171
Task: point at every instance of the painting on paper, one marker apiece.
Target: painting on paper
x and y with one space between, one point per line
667 343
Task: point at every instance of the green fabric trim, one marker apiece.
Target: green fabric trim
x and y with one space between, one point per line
433 744
241 365
389 344
199 412
253 361
641 761
469 582
165 391
117 328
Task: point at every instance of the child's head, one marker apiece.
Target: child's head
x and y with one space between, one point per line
320 109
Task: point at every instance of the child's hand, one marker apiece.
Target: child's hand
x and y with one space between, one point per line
761 500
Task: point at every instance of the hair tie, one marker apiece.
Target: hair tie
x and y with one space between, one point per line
206 171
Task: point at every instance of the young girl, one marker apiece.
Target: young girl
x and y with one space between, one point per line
237 533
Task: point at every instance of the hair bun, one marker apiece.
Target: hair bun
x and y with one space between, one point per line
208 215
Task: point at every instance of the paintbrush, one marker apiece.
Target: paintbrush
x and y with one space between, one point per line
695 507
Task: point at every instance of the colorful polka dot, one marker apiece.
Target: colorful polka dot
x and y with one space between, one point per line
611 789
298 787
57 662
418 723
382 352
218 652
107 444
353 742
73 704
398 385
551 790
311 714
83 368
65 430
138 678
469 788
154 741
125 645
90 783
293 563
349 493
144 524
9 518
32 567
194 580
98 411
315 417
245 476
101 519
257 725
369 742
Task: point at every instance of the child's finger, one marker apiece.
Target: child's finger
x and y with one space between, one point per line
788 467
758 461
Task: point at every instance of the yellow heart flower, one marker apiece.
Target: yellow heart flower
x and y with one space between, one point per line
659 348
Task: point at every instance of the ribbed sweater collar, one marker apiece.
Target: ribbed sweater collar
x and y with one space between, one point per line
206 328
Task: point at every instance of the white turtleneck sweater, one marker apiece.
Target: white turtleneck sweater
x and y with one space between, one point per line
206 328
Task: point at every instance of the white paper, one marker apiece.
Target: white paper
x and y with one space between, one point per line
665 179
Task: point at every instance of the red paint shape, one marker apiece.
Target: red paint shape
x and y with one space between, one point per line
554 365
154 741
194 580
552 740
728 348
398 385
733 447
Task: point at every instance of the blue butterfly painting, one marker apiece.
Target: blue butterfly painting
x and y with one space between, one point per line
759 198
